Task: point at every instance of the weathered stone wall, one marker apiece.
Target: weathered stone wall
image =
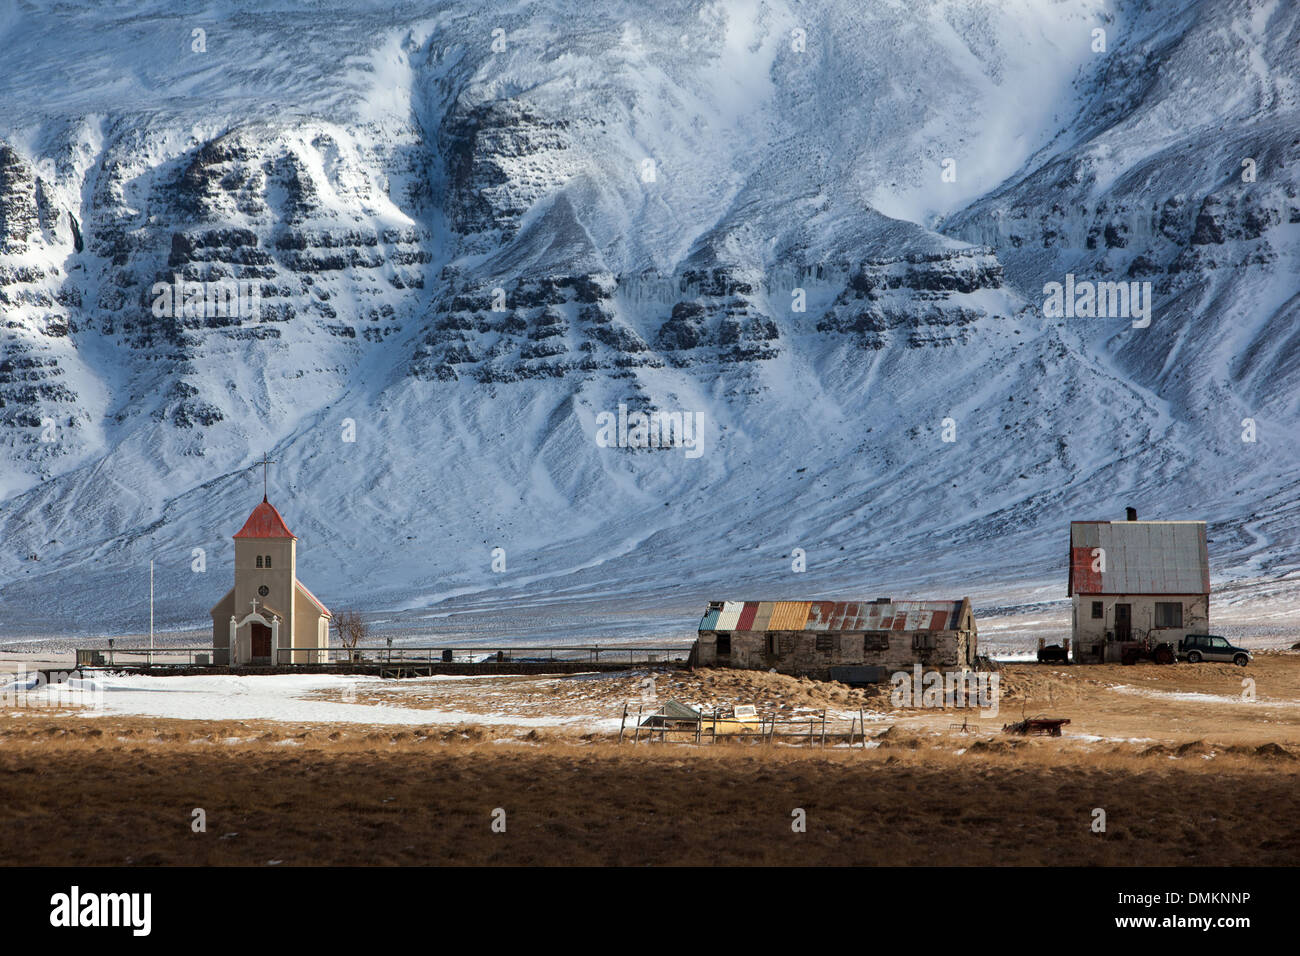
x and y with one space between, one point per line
812 654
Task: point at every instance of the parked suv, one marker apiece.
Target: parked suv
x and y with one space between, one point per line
1195 648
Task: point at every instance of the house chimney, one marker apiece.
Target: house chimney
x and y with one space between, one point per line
1132 514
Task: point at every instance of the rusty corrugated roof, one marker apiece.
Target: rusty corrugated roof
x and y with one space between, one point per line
833 616
789 615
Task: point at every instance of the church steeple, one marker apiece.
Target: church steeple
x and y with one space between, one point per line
265 522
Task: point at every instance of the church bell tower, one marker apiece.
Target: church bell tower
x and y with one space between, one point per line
266 560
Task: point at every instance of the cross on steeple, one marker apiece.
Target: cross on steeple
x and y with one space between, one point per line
254 603
264 463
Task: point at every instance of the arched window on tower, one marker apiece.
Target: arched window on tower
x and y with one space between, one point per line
268 560
259 560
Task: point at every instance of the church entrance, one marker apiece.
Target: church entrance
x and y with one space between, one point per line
261 641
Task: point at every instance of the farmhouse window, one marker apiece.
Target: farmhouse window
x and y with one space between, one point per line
825 643
724 644
771 645
875 641
1169 614
922 642
1096 610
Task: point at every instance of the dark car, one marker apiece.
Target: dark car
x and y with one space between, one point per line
1053 654
1195 648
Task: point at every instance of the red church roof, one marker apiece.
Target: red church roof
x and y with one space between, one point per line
265 522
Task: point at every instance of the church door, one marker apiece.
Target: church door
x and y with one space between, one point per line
261 641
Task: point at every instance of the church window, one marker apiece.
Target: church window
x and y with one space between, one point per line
268 560
259 560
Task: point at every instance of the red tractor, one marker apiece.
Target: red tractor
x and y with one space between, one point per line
1147 649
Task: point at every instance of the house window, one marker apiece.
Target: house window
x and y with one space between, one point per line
875 641
724 645
771 645
1096 610
825 643
922 642
259 560
1169 614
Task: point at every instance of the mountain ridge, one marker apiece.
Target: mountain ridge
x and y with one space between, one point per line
388 185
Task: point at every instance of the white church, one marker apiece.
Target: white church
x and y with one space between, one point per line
269 617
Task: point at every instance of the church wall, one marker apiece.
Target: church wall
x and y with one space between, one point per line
221 629
278 579
310 625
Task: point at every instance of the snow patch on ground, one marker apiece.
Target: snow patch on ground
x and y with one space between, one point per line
280 698
1197 697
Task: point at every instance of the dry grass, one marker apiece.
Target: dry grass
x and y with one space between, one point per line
603 696
121 790
1200 779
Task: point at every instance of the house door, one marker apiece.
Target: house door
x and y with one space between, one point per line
261 641
1123 622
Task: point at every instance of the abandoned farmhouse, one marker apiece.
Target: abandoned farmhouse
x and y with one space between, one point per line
1136 580
834 639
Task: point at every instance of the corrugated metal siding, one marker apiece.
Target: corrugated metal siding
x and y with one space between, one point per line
878 617
1083 580
833 616
789 615
730 615
844 616
1142 557
820 614
747 615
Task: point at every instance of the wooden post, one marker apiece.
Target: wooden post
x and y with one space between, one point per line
622 723
636 739
823 728
863 720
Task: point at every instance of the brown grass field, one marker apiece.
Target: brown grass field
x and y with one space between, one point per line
1201 780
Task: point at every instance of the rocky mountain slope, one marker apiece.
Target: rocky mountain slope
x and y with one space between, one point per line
468 230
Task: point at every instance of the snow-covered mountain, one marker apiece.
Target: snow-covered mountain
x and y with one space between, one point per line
821 230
